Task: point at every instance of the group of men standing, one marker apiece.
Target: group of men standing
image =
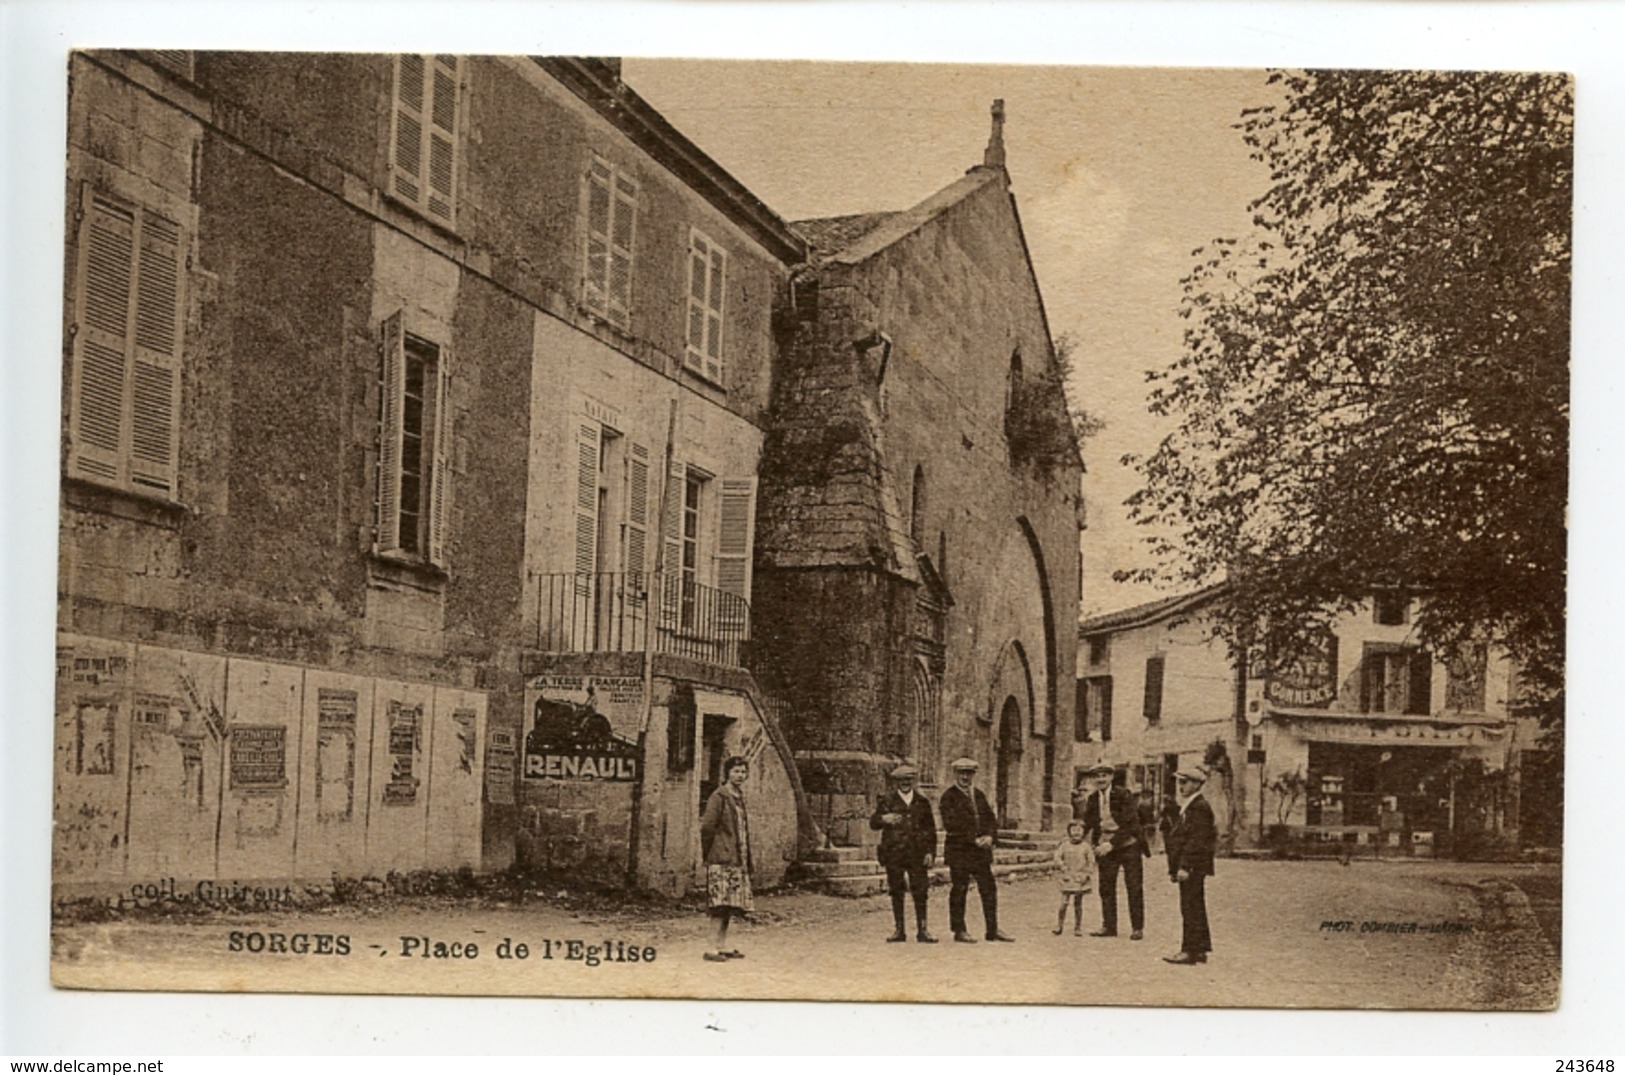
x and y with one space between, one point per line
908 848
1112 824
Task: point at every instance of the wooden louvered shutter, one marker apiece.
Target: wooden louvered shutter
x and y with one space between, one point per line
1419 695
671 566
637 523
1151 706
406 161
588 438
156 397
622 228
707 280
440 474
699 260
392 393
735 523
595 286
176 61
442 137
107 262
718 274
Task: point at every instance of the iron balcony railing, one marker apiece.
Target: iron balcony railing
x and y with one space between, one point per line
626 612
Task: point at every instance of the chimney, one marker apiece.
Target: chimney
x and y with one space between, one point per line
993 155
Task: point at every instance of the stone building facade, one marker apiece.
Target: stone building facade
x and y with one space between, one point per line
412 414
1358 742
916 585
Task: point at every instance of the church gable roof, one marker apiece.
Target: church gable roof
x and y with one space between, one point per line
854 239
830 235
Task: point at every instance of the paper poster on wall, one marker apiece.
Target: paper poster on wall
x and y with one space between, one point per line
259 757
583 727
405 724
335 753
499 754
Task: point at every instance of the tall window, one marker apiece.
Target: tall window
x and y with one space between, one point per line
1396 679
413 443
1153 689
1391 608
707 282
125 391
693 492
1464 686
424 137
1096 694
1080 712
916 511
612 209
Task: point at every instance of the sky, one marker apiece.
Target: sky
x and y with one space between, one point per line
1119 174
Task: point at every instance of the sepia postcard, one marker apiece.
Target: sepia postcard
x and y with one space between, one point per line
555 526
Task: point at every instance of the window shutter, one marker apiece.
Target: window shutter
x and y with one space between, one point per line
1153 688
1420 695
440 476
735 519
442 131
713 316
407 163
392 392
588 436
107 260
707 278
699 257
1106 707
158 315
637 522
623 224
175 61
596 284
671 594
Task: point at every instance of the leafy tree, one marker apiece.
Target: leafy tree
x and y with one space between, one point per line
1374 385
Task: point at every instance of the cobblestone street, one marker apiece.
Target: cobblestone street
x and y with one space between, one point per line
1274 946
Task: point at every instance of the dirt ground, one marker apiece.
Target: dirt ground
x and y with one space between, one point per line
1286 934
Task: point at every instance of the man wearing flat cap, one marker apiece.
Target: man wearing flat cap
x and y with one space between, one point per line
1111 820
908 845
1191 841
970 825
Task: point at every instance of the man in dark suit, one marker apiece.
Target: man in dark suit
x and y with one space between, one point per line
1111 819
908 846
1191 841
970 826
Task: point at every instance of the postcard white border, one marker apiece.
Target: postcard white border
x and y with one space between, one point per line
1580 37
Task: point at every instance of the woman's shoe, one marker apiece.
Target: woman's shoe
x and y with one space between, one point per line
732 953
715 957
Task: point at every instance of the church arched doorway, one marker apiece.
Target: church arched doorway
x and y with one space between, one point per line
1007 755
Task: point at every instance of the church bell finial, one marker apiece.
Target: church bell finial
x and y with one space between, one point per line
993 156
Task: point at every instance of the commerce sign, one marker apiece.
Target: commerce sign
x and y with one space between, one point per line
1303 672
581 766
574 741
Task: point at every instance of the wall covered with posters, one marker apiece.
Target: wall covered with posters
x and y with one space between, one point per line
176 766
602 762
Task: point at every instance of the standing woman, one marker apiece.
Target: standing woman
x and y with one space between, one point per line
725 839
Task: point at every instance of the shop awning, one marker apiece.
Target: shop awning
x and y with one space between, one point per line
1391 729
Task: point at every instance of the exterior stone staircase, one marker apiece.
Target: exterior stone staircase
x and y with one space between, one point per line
853 871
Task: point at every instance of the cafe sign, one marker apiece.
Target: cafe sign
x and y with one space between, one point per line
1303 672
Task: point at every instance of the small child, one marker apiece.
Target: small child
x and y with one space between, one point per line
1076 860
